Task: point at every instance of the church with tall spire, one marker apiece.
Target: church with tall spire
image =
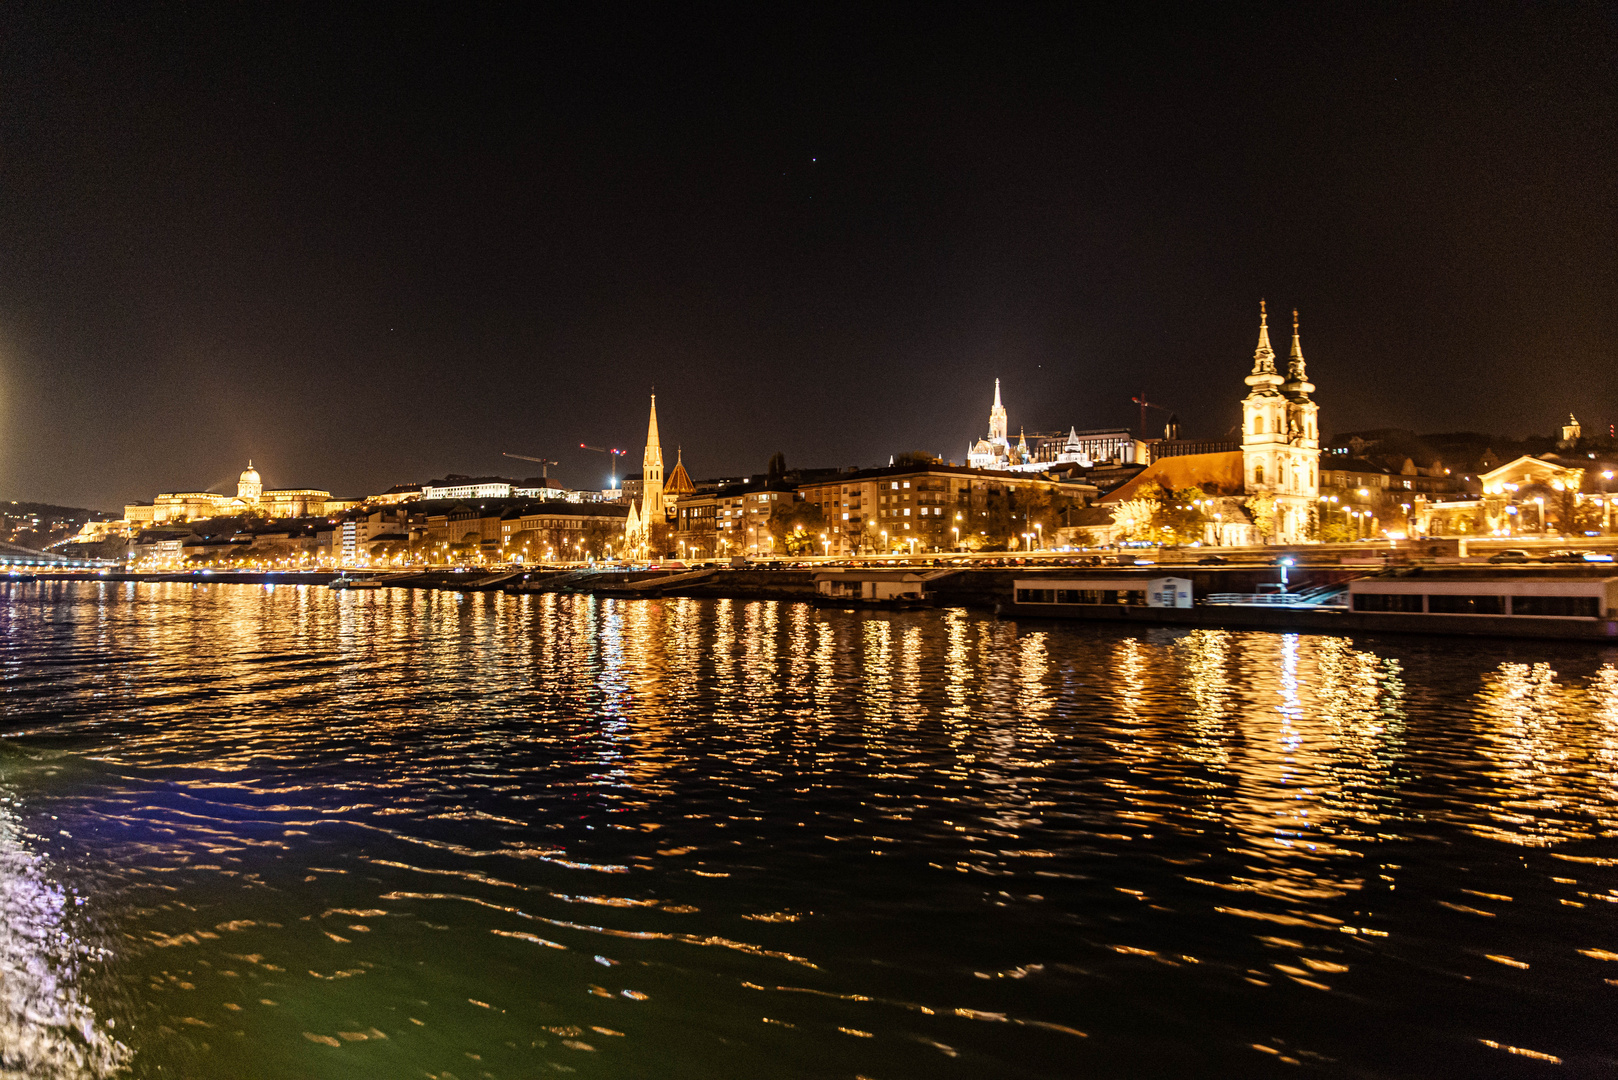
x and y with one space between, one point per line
653 508
1281 436
995 451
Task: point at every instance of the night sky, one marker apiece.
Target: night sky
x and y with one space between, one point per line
378 245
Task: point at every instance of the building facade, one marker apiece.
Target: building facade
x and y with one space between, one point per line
696 518
561 531
930 508
742 516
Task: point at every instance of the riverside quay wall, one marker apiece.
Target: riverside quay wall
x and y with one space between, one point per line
991 589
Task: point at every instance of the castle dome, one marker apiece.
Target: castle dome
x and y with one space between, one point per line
249 487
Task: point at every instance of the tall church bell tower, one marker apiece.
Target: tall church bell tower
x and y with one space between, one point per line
1281 436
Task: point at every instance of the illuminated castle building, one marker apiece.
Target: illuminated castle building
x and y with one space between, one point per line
250 498
1081 448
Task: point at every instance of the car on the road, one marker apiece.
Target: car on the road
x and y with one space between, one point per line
1212 560
1511 555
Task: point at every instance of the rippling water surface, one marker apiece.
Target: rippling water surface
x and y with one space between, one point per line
291 832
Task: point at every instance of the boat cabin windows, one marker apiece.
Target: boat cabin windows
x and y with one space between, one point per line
1539 597
1136 597
1466 604
1578 607
1372 601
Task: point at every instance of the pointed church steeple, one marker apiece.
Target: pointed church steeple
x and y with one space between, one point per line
653 510
1297 385
1295 364
1264 378
654 449
997 419
1263 356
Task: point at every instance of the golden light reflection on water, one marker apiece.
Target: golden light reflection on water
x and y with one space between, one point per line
1313 741
1207 682
923 815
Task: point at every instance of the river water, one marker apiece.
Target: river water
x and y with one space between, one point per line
294 832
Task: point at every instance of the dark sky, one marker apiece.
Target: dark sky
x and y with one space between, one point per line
381 244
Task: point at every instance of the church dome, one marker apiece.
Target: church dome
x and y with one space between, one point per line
249 475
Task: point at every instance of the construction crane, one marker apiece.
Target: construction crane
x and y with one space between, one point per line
1144 405
612 458
544 464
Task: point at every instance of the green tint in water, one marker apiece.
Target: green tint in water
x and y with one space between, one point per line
252 832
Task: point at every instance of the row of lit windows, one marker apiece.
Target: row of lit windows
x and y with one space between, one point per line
1579 607
1132 597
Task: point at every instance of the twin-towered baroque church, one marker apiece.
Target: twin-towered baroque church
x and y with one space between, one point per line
1278 462
1281 436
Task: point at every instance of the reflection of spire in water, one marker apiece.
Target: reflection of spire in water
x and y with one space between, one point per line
1314 751
1360 699
1205 654
46 1029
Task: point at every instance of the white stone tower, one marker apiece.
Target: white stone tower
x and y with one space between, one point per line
997 419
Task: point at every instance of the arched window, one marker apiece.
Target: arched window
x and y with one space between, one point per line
1258 425
1258 474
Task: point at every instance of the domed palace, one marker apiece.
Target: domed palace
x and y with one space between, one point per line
250 498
